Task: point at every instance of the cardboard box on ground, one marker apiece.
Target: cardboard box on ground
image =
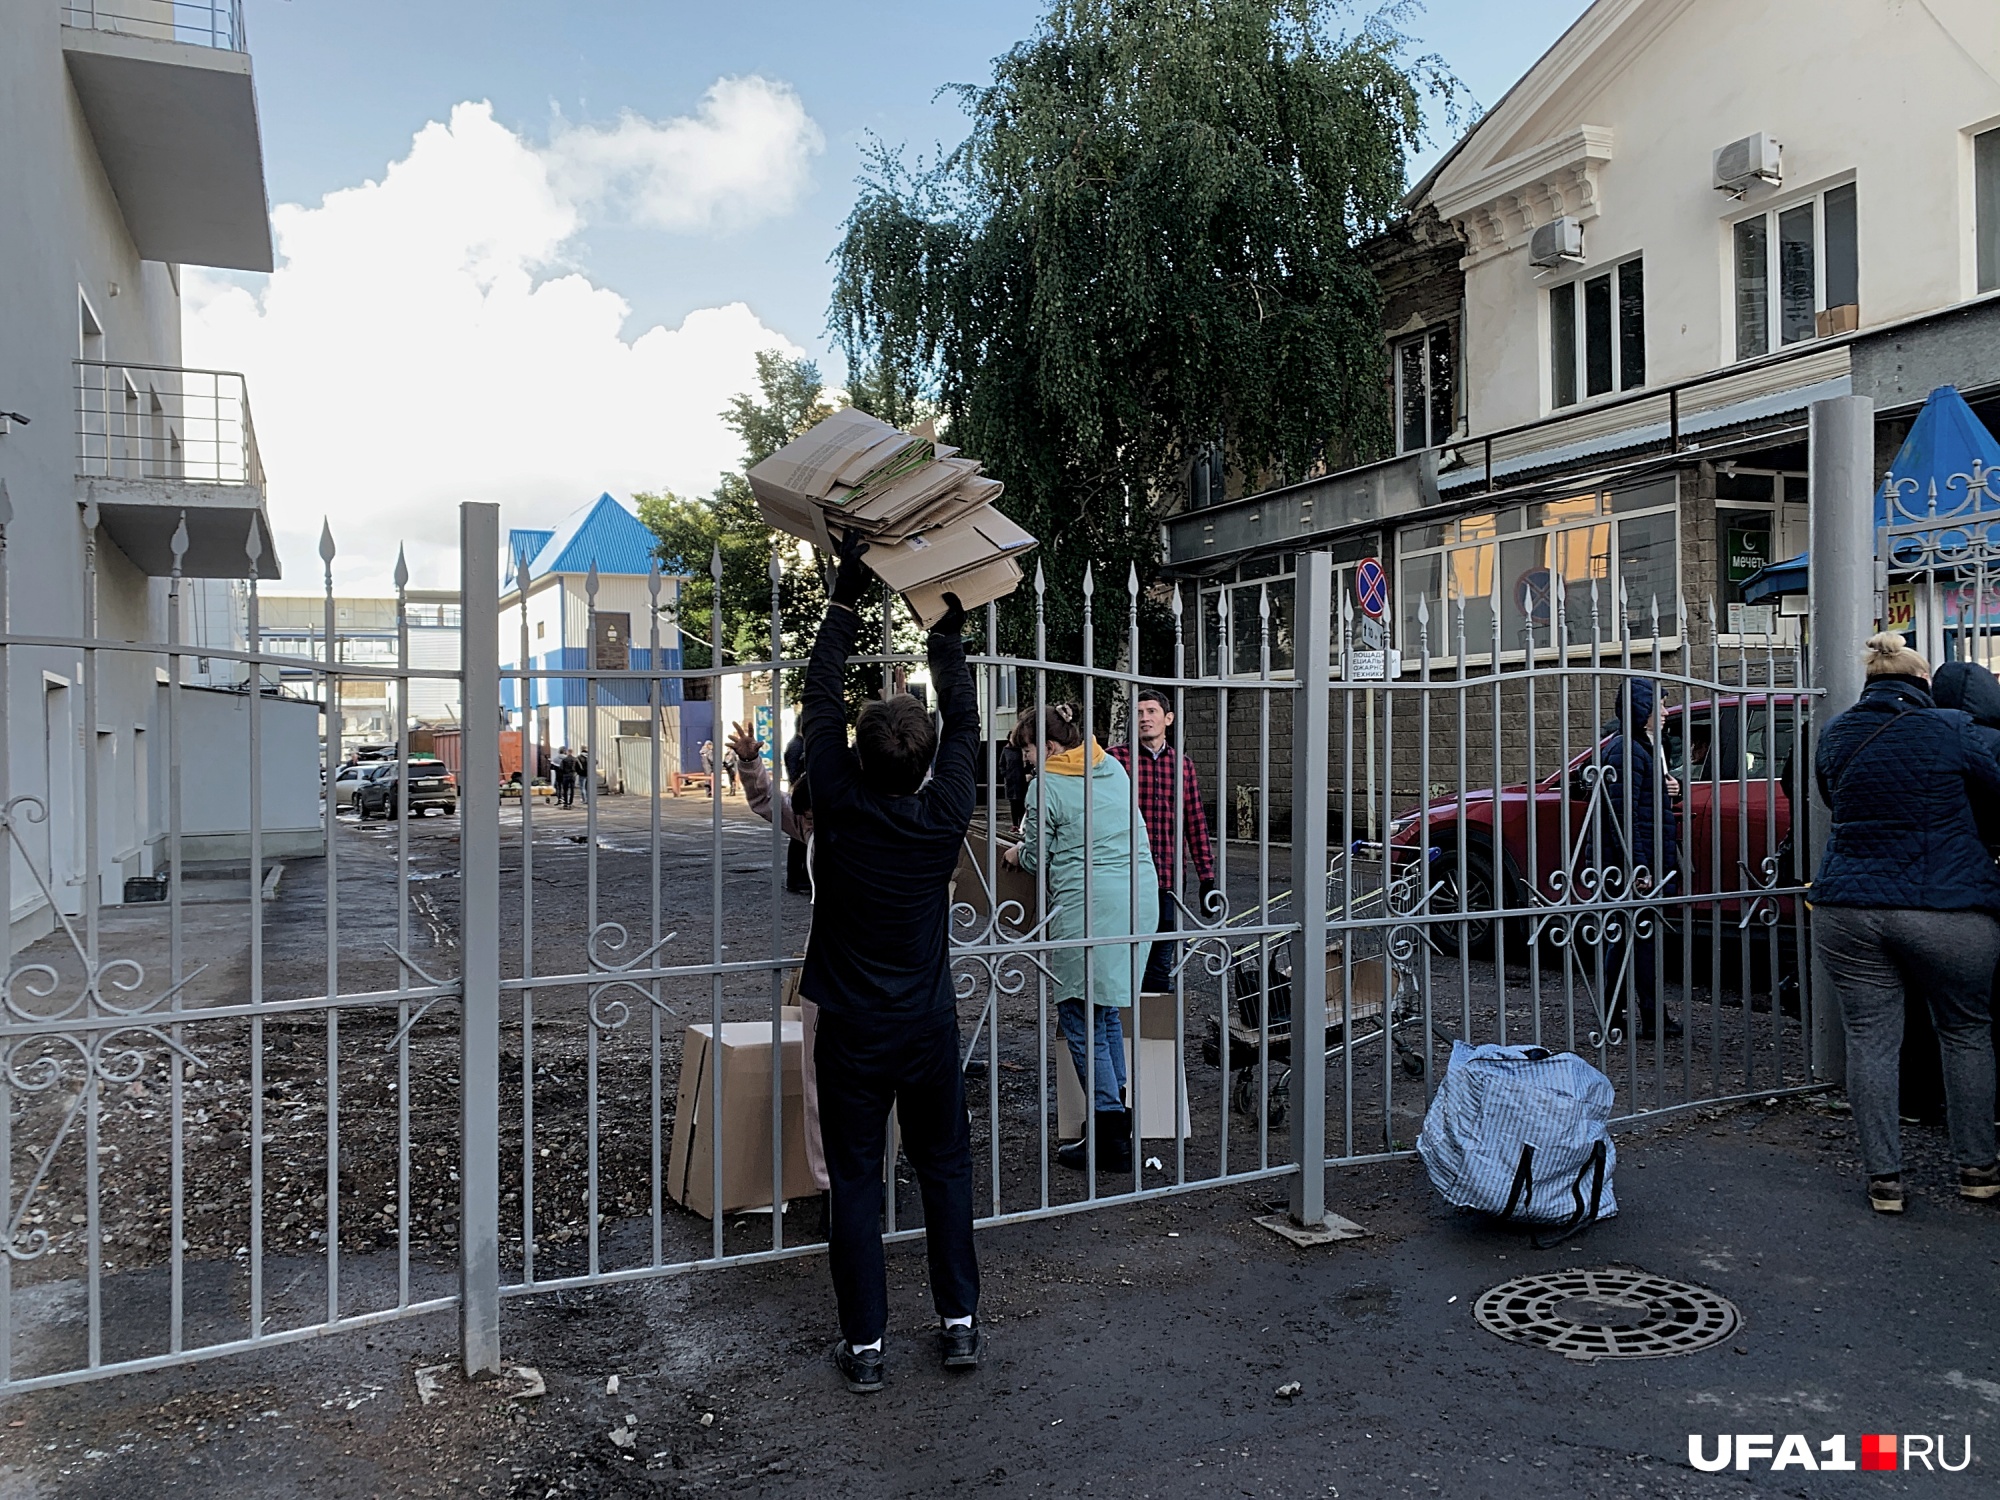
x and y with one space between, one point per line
1154 1082
927 513
744 1062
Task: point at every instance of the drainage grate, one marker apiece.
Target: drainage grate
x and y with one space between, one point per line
1614 1313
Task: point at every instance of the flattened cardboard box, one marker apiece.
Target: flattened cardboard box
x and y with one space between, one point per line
974 587
805 470
968 542
745 1062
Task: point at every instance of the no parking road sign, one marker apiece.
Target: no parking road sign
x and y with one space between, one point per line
1371 587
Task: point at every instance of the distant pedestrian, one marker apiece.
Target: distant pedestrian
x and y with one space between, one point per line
1904 903
1169 800
565 769
582 775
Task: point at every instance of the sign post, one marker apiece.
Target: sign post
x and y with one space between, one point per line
1371 593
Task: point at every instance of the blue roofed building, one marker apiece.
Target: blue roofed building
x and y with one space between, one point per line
549 620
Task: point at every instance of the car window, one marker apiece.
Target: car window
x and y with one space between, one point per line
427 768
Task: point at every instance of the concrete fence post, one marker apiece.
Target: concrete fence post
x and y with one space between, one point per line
1312 670
1842 611
479 942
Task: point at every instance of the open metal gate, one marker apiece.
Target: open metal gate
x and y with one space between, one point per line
441 1062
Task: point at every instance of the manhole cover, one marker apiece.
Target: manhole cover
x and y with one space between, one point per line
1609 1314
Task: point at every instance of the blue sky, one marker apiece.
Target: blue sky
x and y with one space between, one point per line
344 84
528 251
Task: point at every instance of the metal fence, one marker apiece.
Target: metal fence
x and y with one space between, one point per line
438 1064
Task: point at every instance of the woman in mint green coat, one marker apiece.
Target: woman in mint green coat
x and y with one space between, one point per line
1120 863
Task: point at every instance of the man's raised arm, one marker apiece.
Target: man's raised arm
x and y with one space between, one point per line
829 763
953 773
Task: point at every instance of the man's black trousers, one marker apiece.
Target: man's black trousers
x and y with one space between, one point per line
1159 976
864 1067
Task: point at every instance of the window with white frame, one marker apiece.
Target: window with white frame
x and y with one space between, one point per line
1538 563
1426 377
1986 206
1597 334
1797 272
1231 637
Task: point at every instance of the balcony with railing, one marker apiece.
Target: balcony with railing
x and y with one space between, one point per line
159 445
165 86
198 23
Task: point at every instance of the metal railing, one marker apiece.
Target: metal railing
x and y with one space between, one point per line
407 1104
163 422
195 23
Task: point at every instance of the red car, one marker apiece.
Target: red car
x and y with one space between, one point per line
1734 809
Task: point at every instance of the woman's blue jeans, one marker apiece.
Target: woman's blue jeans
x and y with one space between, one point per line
1108 1045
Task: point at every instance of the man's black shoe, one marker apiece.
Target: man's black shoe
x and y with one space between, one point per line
860 1368
961 1347
1647 1032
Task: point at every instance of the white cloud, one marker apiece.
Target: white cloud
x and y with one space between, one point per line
422 342
745 155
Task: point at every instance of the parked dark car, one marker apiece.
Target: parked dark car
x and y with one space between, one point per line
1734 809
431 785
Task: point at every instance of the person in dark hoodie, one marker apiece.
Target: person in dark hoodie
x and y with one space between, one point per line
1904 904
1971 688
1639 838
885 846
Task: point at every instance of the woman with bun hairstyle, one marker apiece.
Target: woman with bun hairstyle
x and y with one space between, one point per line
1905 901
1069 769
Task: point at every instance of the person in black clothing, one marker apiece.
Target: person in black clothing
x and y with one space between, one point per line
1904 906
797 876
1972 689
885 845
1639 852
565 769
1014 778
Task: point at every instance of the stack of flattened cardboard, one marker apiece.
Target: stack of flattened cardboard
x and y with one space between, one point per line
927 513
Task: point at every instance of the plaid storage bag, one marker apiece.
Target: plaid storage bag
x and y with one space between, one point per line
1520 1133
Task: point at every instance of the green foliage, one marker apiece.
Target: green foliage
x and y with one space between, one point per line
1149 242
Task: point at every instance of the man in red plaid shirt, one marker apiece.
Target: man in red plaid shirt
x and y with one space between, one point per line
1167 783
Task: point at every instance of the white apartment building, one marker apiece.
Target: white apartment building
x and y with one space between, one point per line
129 147
1611 303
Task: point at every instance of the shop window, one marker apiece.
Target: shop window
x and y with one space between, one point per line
1597 334
1561 559
1797 272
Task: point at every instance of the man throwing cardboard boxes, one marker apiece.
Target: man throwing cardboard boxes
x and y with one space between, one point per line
885 844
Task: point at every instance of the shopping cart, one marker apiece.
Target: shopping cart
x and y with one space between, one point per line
1374 969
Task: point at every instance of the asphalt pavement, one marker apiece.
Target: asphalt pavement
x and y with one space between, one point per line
1140 1351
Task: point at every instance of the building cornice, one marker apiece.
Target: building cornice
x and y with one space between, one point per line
1500 208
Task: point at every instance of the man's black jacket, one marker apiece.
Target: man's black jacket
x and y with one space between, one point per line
882 866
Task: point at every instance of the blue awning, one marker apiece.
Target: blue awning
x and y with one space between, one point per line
1788 577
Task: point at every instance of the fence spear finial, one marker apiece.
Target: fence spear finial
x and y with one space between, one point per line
402 573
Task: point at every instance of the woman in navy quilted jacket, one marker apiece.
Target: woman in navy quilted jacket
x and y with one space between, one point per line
1906 899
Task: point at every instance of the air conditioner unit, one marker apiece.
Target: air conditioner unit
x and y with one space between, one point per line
1557 242
1755 158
